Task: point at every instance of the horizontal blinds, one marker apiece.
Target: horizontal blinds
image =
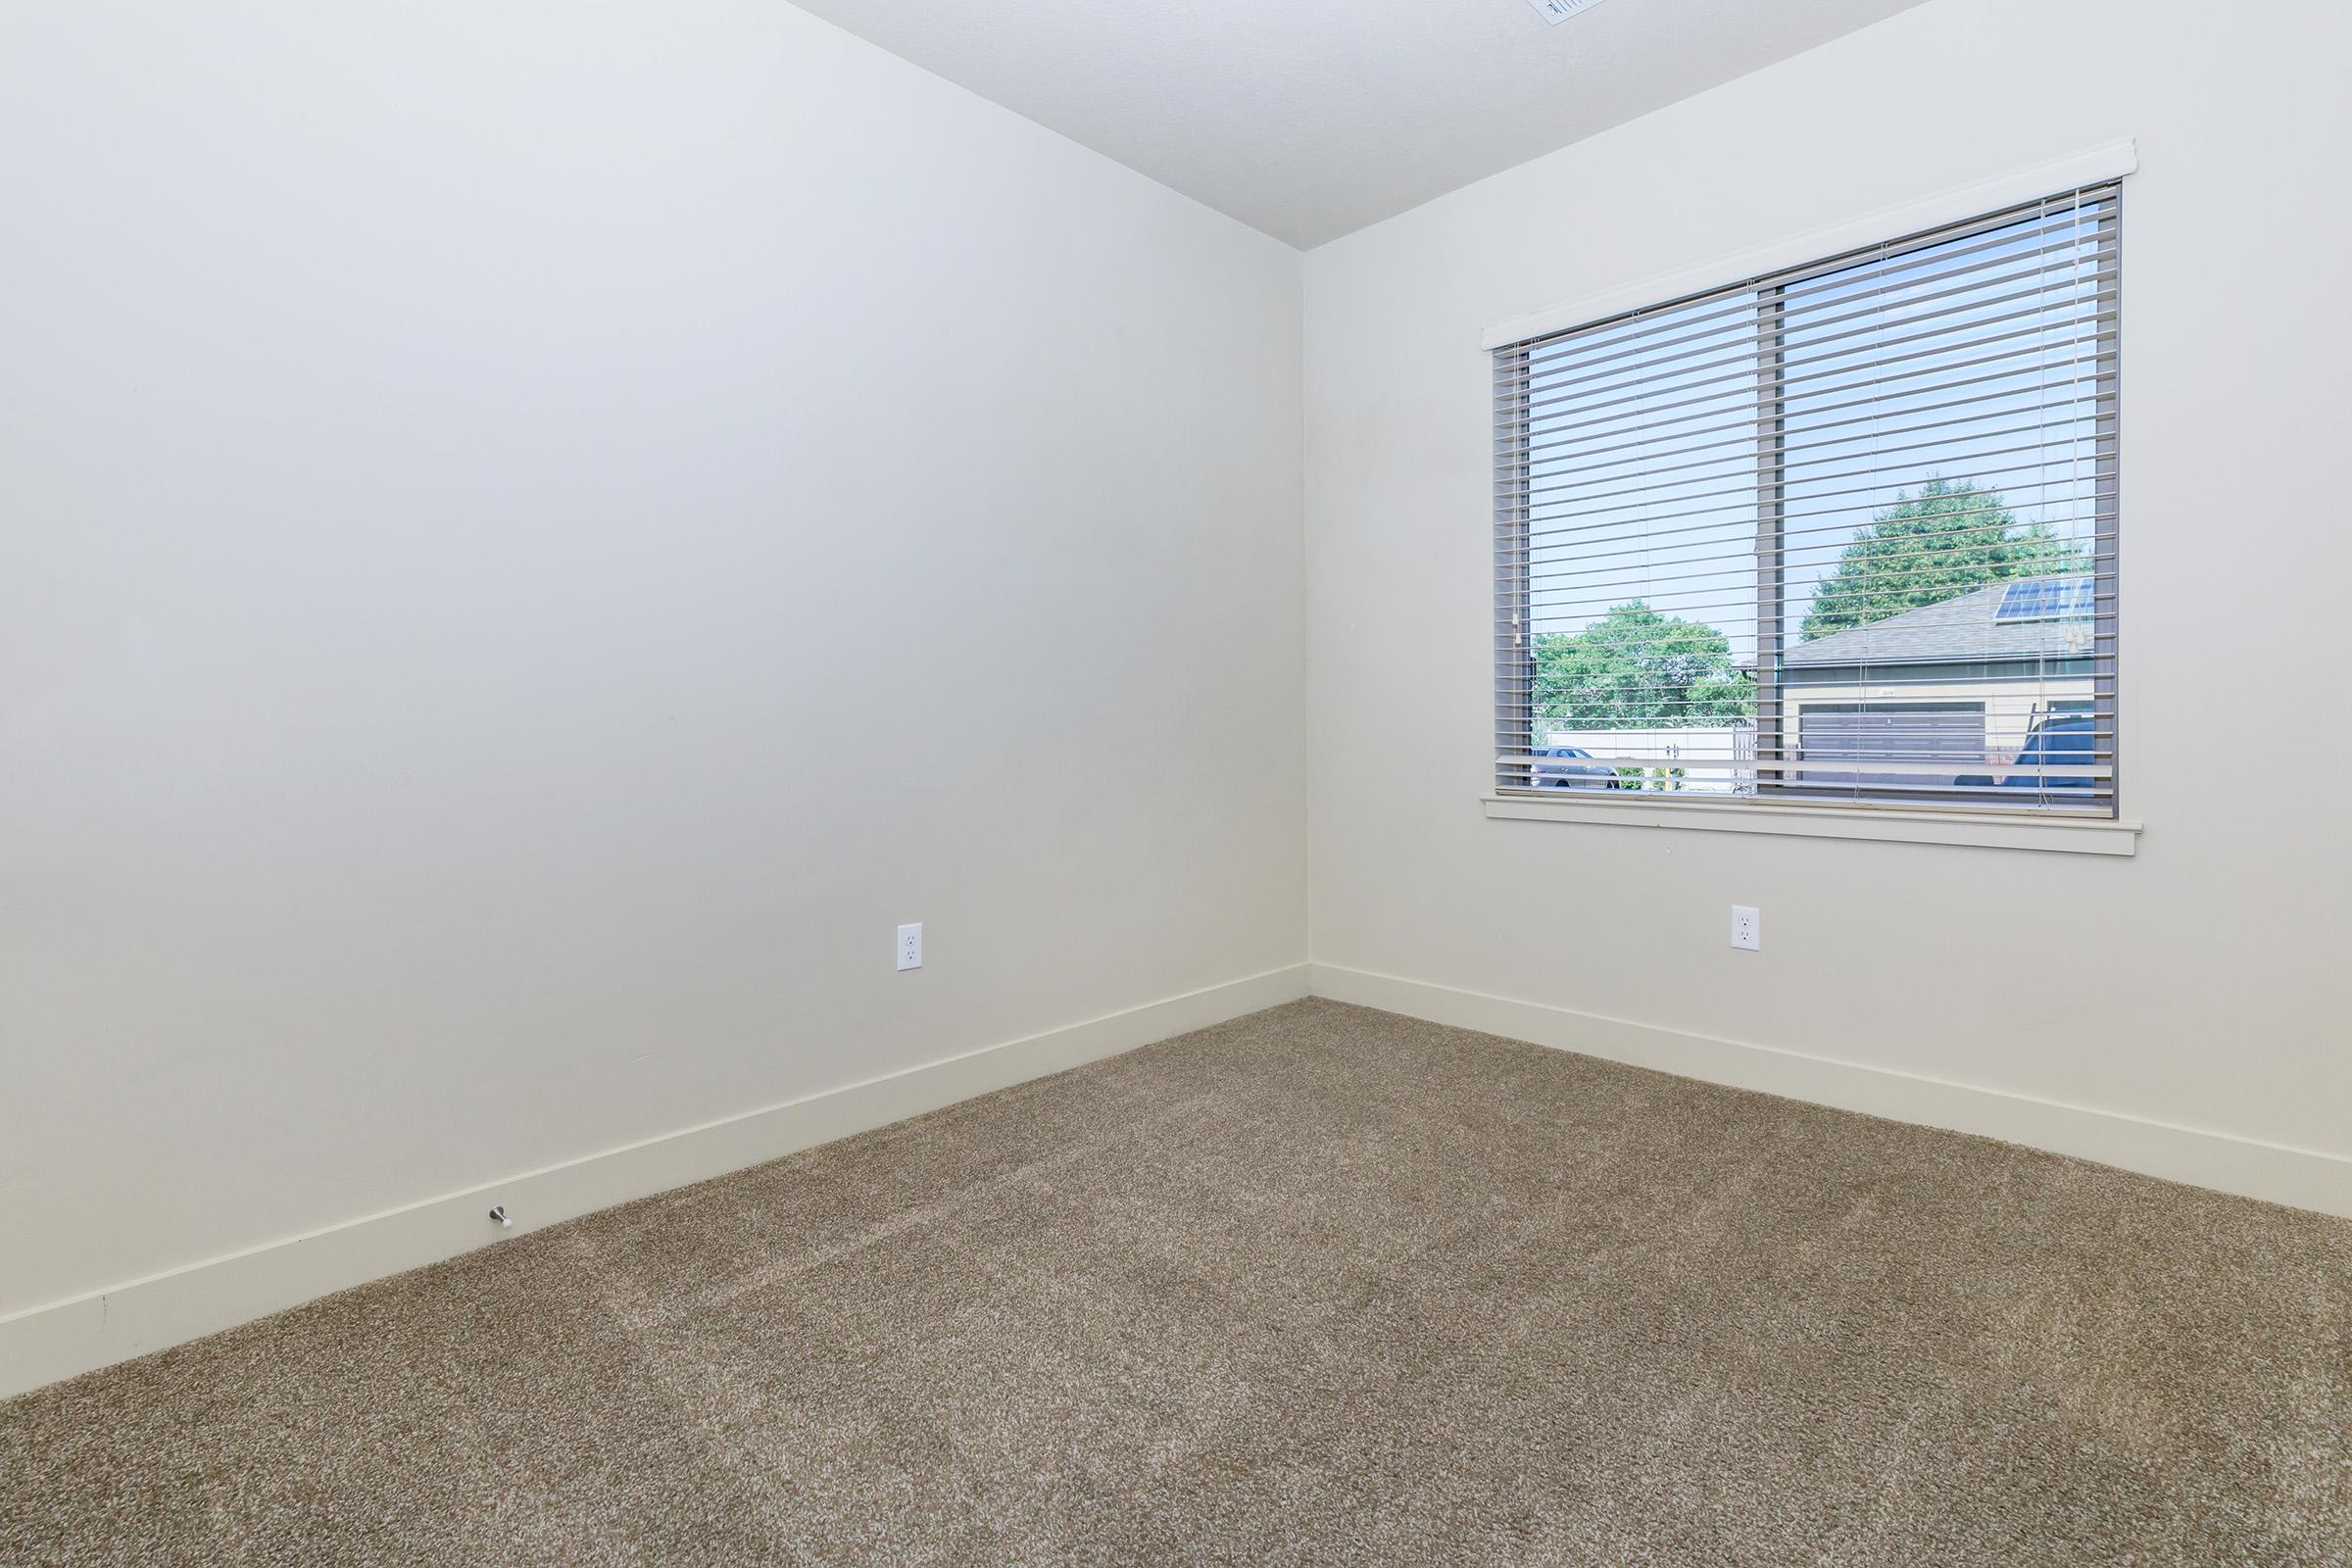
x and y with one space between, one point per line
1844 533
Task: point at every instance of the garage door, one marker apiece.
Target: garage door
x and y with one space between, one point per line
1944 738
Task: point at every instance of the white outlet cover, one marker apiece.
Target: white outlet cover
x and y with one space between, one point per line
910 945
1747 928
1556 12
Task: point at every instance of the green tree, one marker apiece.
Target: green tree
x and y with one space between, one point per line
1634 668
1953 537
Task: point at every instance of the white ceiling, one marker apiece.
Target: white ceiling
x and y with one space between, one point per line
1308 118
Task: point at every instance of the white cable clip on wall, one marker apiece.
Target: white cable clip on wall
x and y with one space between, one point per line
1556 12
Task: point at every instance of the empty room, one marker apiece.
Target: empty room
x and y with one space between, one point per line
1500 782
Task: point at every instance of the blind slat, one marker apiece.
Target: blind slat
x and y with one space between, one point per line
1634 331
1562 383
2036 348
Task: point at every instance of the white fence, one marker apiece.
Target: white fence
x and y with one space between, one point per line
1710 758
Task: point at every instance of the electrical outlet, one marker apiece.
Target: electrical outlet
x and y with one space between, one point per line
910 945
1747 928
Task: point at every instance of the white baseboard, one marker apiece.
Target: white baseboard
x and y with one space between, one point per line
2301 1178
44 1343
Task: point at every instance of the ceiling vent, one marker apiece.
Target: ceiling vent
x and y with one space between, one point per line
1556 12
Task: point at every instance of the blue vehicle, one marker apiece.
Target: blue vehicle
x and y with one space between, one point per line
1557 768
2052 743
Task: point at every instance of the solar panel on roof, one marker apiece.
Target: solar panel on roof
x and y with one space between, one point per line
2046 599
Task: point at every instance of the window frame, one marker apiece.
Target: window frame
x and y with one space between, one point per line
1775 788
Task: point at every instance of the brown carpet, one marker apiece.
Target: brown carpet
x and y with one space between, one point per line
1319 1286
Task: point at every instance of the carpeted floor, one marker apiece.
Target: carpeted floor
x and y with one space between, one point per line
1319 1286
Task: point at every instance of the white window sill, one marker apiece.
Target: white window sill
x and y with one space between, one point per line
2069 836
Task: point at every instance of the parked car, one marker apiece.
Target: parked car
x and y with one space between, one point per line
2052 743
1556 769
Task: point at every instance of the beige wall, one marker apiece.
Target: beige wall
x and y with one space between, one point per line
531 536
2199 983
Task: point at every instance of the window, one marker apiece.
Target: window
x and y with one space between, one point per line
1840 534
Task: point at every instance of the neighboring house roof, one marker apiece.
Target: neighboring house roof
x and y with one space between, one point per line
1967 629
